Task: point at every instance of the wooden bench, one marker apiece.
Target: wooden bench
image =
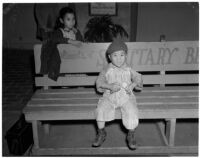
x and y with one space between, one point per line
170 76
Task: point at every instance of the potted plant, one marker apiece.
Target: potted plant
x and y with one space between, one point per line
102 29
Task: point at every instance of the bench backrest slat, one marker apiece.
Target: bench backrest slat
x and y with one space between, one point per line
142 56
90 80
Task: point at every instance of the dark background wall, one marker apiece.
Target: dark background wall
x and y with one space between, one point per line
178 21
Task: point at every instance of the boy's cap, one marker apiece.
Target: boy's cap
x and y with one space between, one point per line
117 45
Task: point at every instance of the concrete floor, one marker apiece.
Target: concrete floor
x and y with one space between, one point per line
18 87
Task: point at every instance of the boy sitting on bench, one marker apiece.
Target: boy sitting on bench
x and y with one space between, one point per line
117 82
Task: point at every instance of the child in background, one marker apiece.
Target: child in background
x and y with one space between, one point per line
66 23
117 81
65 32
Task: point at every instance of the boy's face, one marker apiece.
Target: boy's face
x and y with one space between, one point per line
68 20
118 58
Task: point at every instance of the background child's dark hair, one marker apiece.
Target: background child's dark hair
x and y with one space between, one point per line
62 14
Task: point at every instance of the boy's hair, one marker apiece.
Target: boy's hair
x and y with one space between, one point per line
116 45
63 11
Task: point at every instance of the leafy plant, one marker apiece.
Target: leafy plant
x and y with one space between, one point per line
102 29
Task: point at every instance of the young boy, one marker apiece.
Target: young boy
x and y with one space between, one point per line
117 81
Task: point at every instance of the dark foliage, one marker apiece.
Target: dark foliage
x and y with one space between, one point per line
102 29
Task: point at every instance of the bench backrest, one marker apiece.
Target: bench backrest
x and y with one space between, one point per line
142 56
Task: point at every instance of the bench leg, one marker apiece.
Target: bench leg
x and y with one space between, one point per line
161 126
46 128
170 131
35 134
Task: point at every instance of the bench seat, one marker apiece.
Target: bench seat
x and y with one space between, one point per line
80 104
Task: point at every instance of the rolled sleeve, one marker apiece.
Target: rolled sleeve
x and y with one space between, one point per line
101 79
137 79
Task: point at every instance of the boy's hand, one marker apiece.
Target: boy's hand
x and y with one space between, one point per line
114 87
130 88
139 88
136 87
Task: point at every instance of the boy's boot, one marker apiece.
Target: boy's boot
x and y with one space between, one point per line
131 140
100 138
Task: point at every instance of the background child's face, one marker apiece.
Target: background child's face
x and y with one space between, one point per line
68 20
118 58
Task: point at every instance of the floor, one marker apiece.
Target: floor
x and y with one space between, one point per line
18 87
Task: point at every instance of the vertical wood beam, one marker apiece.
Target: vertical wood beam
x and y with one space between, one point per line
133 21
35 134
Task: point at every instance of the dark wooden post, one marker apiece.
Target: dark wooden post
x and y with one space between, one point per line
133 21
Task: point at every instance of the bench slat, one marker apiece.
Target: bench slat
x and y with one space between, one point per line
161 114
96 96
65 81
88 107
182 78
81 113
66 90
90 80
145 89
180 104
154 100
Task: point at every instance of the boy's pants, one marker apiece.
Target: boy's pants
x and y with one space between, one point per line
106 112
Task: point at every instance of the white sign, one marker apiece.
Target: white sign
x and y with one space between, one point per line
142 56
